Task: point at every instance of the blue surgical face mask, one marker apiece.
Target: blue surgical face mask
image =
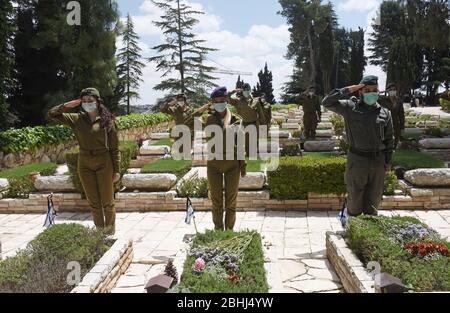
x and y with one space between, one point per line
246 94
220 107
371 98
89 106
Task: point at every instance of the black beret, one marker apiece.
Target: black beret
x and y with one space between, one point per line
369 80
246 86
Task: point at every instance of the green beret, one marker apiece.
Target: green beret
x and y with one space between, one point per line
369 80
90 92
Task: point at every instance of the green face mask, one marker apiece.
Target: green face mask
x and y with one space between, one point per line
371 98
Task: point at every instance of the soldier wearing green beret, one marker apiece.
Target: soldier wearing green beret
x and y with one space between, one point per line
394 103
312 112
99 159
370 136
247 108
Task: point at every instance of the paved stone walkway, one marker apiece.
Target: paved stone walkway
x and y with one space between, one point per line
294 243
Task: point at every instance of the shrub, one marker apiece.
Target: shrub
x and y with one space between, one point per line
390 183
252 275
338 124
278 107
445 104
434 132
411 159
20 186
127 150
293 150
375 239
297 176
42 266
179 168
29 138
194 187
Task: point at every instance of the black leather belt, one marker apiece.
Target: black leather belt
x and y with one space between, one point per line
93 152
367 154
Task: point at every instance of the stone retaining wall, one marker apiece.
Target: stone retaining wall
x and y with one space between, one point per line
104 275
429 199
55 153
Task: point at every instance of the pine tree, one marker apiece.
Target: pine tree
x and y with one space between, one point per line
181 52
129 69
265 85
358 61
6 62
171 271
240 83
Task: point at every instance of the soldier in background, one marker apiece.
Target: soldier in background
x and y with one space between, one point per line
312 112
394 103
370 136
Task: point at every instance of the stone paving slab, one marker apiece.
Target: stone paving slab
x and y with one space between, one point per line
293 242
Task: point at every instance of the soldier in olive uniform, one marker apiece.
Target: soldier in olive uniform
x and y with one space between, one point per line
182 114
312 112
395 104
265 111
242 100
222 168
99 158
370 137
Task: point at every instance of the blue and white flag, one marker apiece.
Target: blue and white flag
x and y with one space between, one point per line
51 212
343 215
190 212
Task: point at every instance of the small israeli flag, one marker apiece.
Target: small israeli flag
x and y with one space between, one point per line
51 212
343 215
190 212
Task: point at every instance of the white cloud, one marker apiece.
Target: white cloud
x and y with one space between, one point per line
245 53
358 5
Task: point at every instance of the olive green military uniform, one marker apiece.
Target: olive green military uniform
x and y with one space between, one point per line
395 105
228 171
182 116
247 109
99 159
264 115
311 114
370 137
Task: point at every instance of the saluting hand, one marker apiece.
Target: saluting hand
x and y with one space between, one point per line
355 88
73 103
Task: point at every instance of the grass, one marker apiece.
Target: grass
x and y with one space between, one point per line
179 168
411 159
163 142
278 107
374 239
45 169
252 272
42 266
254 166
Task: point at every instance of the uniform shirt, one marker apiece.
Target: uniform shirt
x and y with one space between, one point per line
368 129
397 110
181 116
310 104
245 108
89 134
235 122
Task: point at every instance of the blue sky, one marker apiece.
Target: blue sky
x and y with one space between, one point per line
247 33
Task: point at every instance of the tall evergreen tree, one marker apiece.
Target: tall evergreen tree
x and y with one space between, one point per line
129 69
240 83
182 51
6 62
358 61
265 85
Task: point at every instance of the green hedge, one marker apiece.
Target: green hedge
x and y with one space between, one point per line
411 159
29 138
383 239
19 184
196 187
127 149
42 266
317 173
252 273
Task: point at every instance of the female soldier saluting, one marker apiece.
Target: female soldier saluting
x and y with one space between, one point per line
99 159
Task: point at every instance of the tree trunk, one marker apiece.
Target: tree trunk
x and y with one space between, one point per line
181 49
312 58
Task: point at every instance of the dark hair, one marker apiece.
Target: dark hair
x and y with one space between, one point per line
106 117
